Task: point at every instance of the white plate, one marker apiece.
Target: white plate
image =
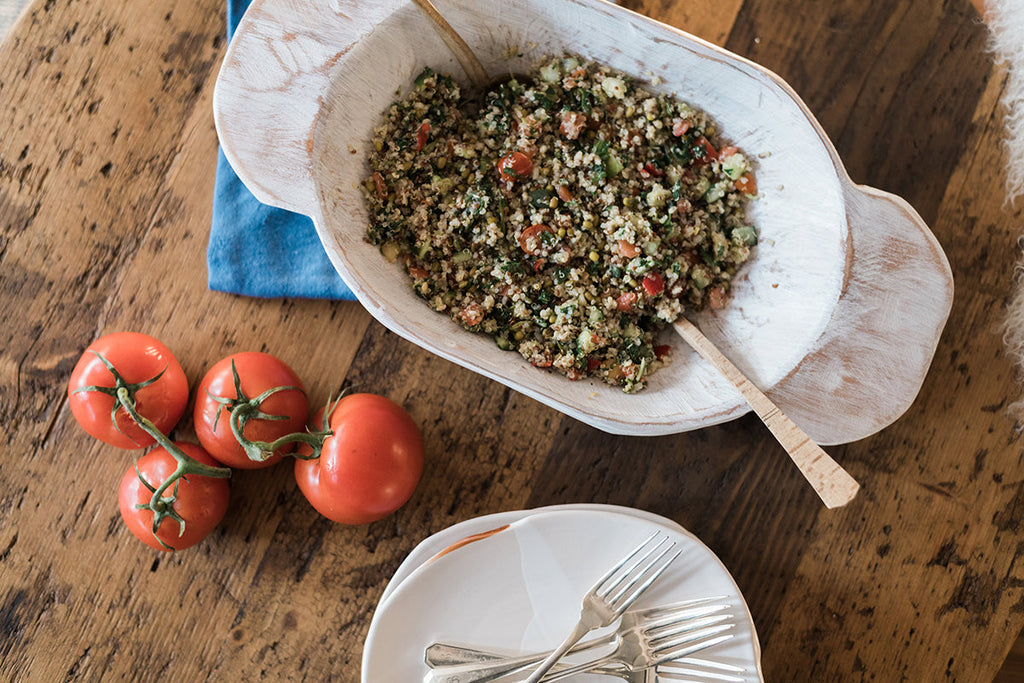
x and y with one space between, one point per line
446 538
520 590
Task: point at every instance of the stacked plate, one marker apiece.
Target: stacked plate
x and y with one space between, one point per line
512 583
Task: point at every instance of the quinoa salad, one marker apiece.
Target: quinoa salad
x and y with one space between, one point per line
570 216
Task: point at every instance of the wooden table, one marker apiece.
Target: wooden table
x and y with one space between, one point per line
107 150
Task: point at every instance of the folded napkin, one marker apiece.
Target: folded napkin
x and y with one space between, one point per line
262 251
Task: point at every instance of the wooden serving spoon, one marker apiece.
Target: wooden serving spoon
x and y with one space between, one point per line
466 57
832 483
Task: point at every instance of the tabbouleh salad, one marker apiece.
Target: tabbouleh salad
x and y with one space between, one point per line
570 216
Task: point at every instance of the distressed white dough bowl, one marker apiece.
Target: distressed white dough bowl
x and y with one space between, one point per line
837 316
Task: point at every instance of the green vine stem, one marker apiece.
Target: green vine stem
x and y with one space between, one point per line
242 409
124 397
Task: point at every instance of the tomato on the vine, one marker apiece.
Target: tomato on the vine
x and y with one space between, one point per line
371 464
199 501
138 359
217 394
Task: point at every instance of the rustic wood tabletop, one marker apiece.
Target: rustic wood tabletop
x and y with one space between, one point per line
107 154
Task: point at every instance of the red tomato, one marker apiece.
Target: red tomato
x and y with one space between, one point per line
530 240
654 284
703 151
628 249
625 301
200 501
380 186
717 297
679 127
514 165
421 135
418 273
369 467
746 184
572 124
137 358
651 170
472 314
257 373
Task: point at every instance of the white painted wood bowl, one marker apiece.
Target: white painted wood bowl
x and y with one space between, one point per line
837 316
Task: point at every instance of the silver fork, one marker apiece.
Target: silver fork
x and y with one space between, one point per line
457 664
642 651
614 593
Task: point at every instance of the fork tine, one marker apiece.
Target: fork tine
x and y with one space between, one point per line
694 669
693 642
628 594
682 605
627 559
661 634
663 616
706 663
696 675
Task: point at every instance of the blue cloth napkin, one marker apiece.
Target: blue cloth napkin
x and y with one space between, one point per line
262 251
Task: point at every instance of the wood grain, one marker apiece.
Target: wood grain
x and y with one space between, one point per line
107 151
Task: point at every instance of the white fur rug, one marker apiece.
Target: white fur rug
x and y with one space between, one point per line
1005 19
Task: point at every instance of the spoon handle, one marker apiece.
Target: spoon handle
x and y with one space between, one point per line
832 483
467 58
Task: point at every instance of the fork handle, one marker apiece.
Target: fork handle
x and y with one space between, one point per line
585 667
581 629
449 664
444 654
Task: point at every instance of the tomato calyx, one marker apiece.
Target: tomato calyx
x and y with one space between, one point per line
162 507
123 393
242 409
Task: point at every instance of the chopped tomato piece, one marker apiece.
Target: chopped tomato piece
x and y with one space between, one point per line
661 350
654 284
472 314
746 184
679 127
727 151
652 170
625 301
381 187
421 136
628 249
703 151
572 124
530 239
514 165
716 298
593 364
